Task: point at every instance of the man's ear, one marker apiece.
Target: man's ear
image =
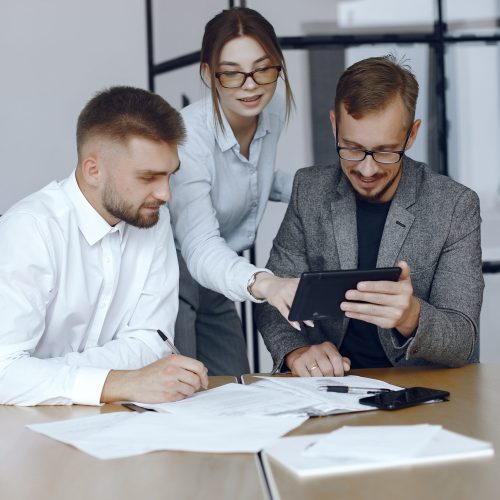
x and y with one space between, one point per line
333 121
205 75
414 131
90 170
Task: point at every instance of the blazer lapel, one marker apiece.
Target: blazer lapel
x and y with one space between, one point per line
399 219
343 209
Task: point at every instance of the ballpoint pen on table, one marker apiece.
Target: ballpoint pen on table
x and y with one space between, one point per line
344 389
169 342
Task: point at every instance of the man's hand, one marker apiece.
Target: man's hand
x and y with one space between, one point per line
388 304
321 360
168 379
279 292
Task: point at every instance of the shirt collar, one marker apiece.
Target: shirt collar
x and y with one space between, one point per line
263 127
226 139
91 223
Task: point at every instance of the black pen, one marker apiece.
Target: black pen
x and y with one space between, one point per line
344 389
169 342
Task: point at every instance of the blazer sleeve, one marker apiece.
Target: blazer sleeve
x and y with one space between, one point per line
448 330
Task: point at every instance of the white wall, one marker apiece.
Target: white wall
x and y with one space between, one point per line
55 55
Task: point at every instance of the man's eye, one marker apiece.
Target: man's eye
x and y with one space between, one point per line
147 177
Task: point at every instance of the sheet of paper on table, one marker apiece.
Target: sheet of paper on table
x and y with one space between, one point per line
123 434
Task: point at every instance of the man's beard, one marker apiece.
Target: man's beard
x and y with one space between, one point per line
126 212
375 197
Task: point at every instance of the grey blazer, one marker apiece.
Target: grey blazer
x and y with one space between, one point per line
433 224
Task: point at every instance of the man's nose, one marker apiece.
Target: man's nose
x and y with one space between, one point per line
368 167
162 191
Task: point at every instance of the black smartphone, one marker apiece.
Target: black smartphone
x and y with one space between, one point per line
320 293
411 396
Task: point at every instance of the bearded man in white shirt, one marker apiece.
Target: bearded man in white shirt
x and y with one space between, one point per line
88 268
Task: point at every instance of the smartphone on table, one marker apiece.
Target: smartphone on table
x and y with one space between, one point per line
411 396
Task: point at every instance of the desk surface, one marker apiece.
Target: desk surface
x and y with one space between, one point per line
36 467
33 466
473 410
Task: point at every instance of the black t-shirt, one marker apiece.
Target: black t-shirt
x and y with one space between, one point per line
361 343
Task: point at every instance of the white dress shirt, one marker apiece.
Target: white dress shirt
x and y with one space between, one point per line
219 196
79 297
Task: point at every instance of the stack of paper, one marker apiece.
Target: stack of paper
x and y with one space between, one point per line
323 403
352 449
275 396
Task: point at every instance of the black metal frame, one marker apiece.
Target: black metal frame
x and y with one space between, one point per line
438 39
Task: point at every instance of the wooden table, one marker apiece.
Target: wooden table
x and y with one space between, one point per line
473 410
34 467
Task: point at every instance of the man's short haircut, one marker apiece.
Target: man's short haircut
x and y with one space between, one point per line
369 85
120 113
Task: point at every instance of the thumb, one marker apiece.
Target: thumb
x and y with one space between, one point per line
405 270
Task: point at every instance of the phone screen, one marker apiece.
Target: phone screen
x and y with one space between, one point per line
405 397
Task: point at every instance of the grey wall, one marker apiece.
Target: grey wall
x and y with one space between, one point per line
55 54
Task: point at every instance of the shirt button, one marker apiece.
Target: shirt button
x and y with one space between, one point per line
414 350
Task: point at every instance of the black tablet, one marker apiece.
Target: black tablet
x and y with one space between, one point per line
320 293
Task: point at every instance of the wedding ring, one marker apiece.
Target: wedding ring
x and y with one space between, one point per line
313 368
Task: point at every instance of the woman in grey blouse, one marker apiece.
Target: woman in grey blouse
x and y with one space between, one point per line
226 177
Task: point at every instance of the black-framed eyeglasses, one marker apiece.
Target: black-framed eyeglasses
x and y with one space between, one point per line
384 157
261 76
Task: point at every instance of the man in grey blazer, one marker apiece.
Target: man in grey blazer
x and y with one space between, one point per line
375 207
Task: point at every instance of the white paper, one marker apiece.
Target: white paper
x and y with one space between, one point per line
235 400
293 454
326 403
117 435
377 443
